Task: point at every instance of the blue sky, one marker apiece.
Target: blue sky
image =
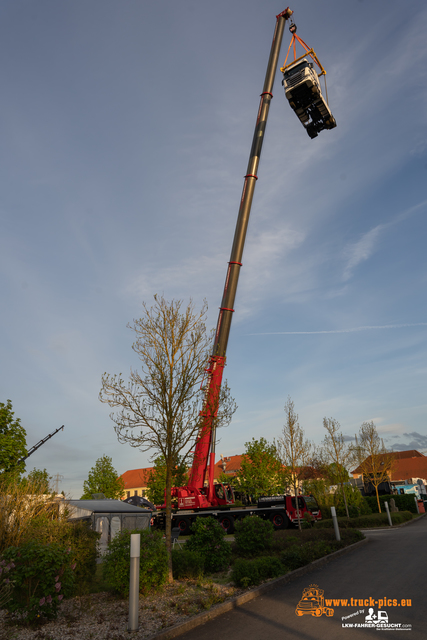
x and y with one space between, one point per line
126 129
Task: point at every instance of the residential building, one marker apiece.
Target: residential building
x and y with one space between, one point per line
136 482
407 468
136 479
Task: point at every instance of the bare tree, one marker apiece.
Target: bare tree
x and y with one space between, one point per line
338 454
158 408
294 451
375 461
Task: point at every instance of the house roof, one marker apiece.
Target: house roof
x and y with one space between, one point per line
413 453
229 465
408 468
104 506
136 477
404 460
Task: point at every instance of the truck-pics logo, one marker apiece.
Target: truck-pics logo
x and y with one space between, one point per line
313 603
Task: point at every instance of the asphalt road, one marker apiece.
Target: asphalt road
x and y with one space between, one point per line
390 567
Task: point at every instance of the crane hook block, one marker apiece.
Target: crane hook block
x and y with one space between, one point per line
293 27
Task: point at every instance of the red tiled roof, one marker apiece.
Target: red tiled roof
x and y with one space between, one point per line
136 477
409 459
408 468
230 465
408 454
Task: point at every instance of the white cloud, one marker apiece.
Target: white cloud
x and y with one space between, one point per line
351 330
361 250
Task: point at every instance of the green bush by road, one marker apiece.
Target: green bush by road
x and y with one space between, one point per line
366 522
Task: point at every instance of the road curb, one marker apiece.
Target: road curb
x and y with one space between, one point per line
217 610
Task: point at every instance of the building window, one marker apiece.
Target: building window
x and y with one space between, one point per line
135 493
128 494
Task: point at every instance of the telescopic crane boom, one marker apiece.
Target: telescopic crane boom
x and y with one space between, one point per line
195 495
39 444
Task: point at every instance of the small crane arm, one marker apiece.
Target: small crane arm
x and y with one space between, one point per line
39 444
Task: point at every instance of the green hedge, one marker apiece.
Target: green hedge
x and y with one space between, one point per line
299 556
252 572
76 536
153 562
364 522
187 564
41 575
403 502
253 535
208 539
363 508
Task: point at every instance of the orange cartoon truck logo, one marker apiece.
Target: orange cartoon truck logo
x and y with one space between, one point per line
313 603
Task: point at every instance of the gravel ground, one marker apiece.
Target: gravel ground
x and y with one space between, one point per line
101 616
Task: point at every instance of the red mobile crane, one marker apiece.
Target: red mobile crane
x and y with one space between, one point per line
195 496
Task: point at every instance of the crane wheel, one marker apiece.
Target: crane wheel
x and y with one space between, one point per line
183 525
227 523
279 520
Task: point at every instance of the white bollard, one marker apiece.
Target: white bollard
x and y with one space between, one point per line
388 514
335 521
416 504
135 546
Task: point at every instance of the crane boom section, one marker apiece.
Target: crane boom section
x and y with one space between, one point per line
39 444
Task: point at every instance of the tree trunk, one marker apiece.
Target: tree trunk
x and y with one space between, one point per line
297 505
378 499
345 500
168 528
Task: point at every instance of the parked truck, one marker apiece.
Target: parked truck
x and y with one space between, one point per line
281 510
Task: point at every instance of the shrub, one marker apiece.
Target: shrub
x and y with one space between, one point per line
153 564
401 516
365 522
285 539
75 535
296 557
354 510
326 511
6 584
253 535
404 502
293 558
252 572
208 539
41 575
306 522
187 564
20 502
